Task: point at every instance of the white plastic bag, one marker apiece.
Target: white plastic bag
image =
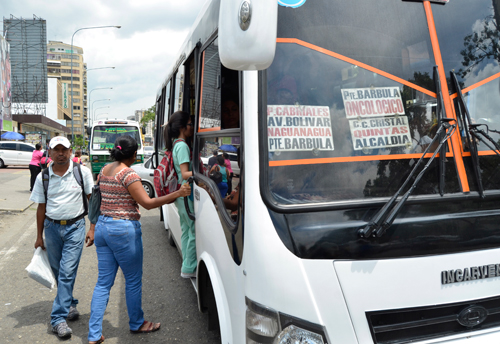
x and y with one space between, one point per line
39 269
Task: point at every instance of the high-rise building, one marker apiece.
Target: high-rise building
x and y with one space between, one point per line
59 62
28 88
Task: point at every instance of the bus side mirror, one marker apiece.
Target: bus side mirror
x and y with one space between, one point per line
247 33
89 130
143 131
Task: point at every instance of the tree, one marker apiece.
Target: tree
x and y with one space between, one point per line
79 142
481 45
149 115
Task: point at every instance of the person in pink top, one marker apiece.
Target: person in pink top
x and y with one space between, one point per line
228 165
35 164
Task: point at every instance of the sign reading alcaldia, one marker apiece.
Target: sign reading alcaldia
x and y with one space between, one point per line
380 132
299 128
376 117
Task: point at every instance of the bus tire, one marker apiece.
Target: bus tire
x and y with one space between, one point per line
94 176
170 238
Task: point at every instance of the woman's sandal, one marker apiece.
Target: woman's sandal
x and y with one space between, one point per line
99 341
152 327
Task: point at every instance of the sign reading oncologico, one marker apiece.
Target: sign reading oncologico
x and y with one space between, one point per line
376 117
372 102
299 128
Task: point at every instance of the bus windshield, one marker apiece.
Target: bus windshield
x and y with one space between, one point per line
352 101
104 137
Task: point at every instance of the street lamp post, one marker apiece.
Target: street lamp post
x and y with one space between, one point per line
91 106
99 88
71 70
102 107
88 100
100 114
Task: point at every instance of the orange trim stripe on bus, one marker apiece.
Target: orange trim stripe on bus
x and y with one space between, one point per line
350 159
455 138
365 158
209 129
357 63
476 85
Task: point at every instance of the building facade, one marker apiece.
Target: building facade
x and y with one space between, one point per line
64 63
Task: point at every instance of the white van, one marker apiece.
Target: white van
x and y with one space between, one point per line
15 153
338 233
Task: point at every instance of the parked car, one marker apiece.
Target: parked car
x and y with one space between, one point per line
233 157
15 153
146 172
148 151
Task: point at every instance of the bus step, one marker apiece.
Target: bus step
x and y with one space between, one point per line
193 281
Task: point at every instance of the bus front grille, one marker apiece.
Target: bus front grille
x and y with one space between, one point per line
416 324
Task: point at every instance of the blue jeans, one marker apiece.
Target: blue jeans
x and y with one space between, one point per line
64 246
118 244
223 189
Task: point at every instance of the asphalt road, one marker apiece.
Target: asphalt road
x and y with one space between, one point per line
25 305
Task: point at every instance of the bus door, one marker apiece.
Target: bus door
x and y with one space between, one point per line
218 204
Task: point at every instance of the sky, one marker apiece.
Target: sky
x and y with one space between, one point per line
142 50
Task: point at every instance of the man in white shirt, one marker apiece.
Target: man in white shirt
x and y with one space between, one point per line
61 211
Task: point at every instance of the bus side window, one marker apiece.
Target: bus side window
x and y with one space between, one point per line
230 109
219 110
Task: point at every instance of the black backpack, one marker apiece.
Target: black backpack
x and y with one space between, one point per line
77 172
45 159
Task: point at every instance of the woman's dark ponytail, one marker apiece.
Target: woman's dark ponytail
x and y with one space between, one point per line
125 147
172 130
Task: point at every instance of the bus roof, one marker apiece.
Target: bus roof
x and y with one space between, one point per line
115 121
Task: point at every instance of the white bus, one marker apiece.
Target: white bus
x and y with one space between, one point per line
370 179
103 134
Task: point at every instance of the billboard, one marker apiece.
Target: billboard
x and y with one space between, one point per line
5 86
28 57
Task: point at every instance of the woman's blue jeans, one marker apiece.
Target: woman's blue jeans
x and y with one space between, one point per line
118 244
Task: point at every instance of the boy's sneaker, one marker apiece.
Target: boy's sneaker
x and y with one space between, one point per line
73 313
188 275
62 330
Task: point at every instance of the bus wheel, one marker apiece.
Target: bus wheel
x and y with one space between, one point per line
171 238
94 175
213 317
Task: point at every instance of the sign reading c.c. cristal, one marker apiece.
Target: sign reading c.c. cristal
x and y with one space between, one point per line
470 274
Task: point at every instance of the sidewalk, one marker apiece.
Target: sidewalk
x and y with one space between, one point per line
15 194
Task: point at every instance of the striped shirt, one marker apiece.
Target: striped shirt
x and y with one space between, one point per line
116 201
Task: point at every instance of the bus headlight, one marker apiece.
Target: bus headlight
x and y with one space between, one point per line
296 335
265 325
261 322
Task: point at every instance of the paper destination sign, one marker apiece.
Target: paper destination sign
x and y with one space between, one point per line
372 102
380 132
299 128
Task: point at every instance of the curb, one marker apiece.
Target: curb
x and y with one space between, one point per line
13 210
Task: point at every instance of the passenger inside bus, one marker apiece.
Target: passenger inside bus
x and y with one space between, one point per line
230 114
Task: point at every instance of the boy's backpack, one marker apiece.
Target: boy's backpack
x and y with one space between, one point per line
45 160
165 177
77 173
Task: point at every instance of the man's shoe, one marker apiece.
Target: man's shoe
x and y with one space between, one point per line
188 275
73 314
62 330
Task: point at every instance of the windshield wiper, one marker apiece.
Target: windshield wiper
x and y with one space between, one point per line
439 113
470 130
385 216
